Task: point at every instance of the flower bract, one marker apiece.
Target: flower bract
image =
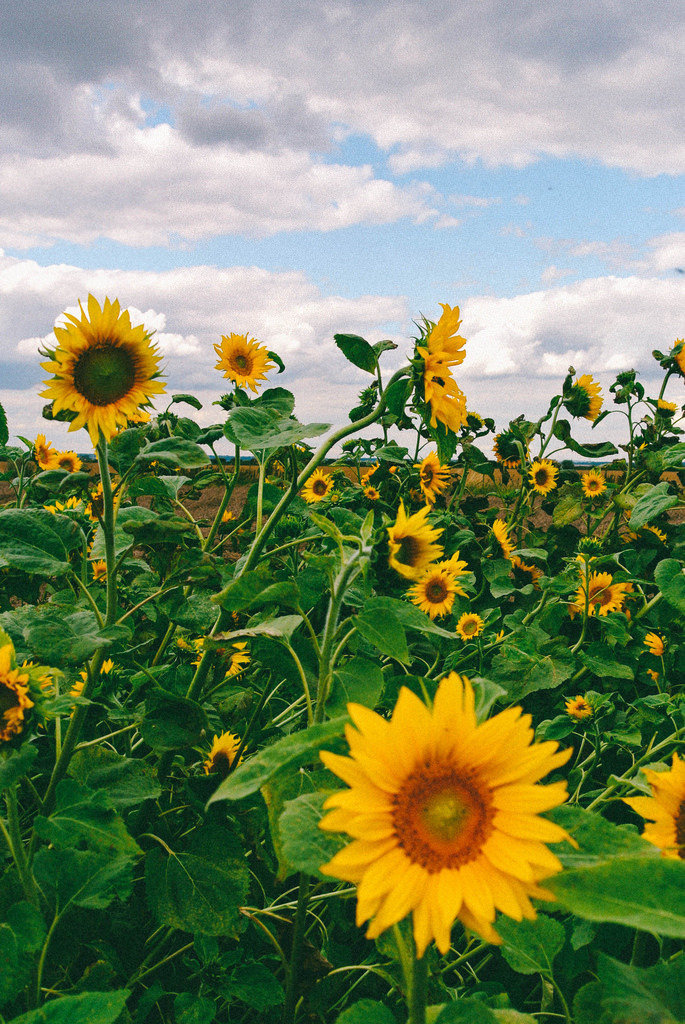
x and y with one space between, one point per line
411 543
243 360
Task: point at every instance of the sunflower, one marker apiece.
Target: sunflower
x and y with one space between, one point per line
524 574
543 476
443 812
228 516
678 353
411 542
71 504
666 408
604 595
433 476
104 369
653 675
505 449
654 644
442 349
239 659
578 707
44 454
500 536
318 486
243 360
585 398
659 534
222 754
665 808
14 695
368 473
470 625
99 570
68 461
435 591
95 507
593 483
371 493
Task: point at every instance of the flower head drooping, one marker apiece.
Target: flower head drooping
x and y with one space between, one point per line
664 809
442 349
593 483
243 360
499 534
222 754
435 591
585 398
44 454
470 625
433 476
578 707
666 409
14 695
444 815
239 659
543 476
524 574
604 595
318 486
505 449
678 352
104 369
411 543
654 644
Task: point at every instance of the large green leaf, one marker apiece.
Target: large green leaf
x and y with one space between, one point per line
601 660
297 749
255 985
127 518
360 681
261 430
31 540
172 722
68 637
86 879
598 450
670 579
357 350
382 628
304 845
366 1011
16 764
652 504
88 1008
175 451
22 933
633 995
529 947
127 781
85 818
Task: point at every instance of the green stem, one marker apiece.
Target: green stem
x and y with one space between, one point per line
345 576
16 845
418 991
260 493
108 521
293 982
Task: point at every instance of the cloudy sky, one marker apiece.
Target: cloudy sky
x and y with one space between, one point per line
293 169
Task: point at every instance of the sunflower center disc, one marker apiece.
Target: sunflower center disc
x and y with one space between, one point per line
8 700
427 476
436 591
410 551
680 830
541 477
241 362
319 487
105 374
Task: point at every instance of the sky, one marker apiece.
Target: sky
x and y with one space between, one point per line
293 169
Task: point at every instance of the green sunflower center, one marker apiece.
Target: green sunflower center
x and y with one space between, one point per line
444 815
241 362
470 626
104 374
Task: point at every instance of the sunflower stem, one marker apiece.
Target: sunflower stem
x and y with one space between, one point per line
108 520
16 845
292 985
418 991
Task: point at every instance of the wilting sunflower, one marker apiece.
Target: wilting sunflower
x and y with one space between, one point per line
578 707
442 349
318 486
435 592
585 399
104 369
593 483
99 570
411 542
222 754
371 493
44 454
499 534
239 659
444 815
505 449
678 352
470 625
243 360
433 476
654 644
14 695
69 461
543 476
665 808
524 573
604 595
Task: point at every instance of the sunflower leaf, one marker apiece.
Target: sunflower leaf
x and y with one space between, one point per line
670 579
87 1008
653 503
357 351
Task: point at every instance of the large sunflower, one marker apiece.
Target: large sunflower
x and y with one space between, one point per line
500 537
585 398
318 486
442 349
411 542
435 591
664 809
104 369
543 476
444 815
14 695
433 476
604 595
593 483
243 360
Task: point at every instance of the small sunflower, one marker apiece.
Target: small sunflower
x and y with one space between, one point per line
664 810
104 369
659 534
505 449
444 815
70 505
435 592
99 570
666 408
585 398
653 675
578 708
368 473
243 360
68 461
500 536
222 754
470 625
543 476
678 353
228 516
318 486
523 573
44 454
654 644
411 542
604 595
433 476
371 493
95 507
442 349
593 483
239 659
14 695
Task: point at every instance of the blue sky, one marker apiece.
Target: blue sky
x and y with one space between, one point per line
301 169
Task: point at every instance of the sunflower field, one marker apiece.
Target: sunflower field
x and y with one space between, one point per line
367 725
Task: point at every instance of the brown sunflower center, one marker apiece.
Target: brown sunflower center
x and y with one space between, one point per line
105 373
409 552
319 487
541 477
241 361
9 699
427 475
441 817
221 763
600 593
680 830
436 591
